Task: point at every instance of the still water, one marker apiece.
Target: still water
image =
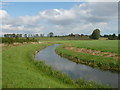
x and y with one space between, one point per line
74 70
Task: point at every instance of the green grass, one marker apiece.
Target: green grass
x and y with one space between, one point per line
21 71
107 63
41 39
0 67
101 45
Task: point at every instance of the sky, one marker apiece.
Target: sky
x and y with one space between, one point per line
61 18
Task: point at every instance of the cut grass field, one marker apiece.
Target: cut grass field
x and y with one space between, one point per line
101 45
107 63
20 70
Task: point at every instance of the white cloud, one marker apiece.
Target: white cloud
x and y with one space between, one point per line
90 12
59 16
29 19
3 14
81 18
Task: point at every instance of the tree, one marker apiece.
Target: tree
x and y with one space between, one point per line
25 35
50 34
36 35
5 35
71 35
13 35
105 35
112 37
119 36
41 35
20 35
95 34
82 34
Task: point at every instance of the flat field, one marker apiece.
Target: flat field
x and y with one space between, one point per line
97 53
101 45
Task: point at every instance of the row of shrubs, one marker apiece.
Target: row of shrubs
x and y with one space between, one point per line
18 40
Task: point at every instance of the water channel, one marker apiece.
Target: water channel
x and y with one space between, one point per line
74 70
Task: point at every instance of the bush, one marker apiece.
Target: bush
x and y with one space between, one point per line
95 34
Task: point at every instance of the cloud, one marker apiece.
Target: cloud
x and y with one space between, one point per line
89 12
22 29
57 15
81 18
3 14
29 19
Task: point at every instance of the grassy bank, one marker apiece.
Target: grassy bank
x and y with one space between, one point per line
105 63
21 71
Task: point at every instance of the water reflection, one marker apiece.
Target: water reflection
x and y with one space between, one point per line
74 70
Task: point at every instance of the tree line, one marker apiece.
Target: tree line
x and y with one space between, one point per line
20 38
112 36
96 35
23 35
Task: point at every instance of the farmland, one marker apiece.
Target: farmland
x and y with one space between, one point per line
101 45
100 61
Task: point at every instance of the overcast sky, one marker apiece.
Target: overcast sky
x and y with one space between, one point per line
59 18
